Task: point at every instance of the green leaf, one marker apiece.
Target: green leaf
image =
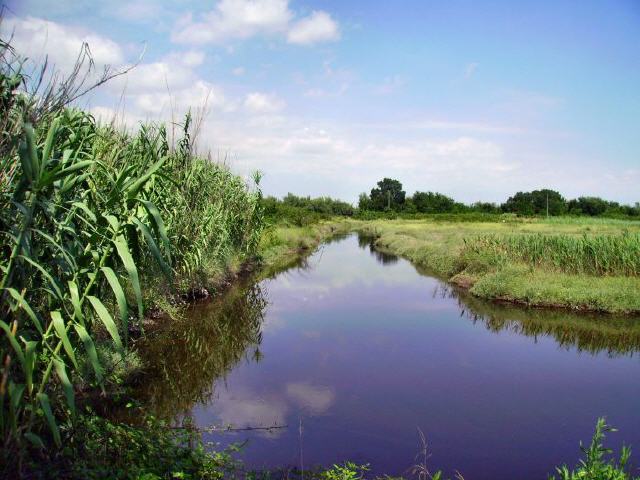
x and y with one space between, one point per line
127 260
132 190
90 348
154 249
107 320
58 325
25 306
121 299
75 301
45 274
159 225
30 358
67 386
35 440
14 343
43 398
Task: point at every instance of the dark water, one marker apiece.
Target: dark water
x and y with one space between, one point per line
361 350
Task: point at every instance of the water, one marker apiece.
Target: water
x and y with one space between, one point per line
353 352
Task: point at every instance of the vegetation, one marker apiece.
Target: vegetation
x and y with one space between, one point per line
585 265
389 197
596 465
99 226
95 223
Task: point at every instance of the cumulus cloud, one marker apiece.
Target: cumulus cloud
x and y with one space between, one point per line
257 102
36 38
241 19
234 19
318 27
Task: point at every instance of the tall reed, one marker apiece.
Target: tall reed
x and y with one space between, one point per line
88 214
615 254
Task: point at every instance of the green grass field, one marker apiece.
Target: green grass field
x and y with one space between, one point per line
576 263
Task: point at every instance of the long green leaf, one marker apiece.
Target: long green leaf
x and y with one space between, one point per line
159 225
132 190
90 348
45 274
67 386
27 308
30 358
121 299
154 249
107 320
75 301
43 398
14 343
127 260
58 325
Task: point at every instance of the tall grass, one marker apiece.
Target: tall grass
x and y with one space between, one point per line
586 254
90 217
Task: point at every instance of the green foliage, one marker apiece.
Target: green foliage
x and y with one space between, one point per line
585 254
596 465
90 218
96 448
433 202
537 202
302 211
388 195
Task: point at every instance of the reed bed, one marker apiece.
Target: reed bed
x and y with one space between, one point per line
92 217
611 254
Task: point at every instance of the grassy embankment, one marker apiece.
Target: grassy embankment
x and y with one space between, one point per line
576 263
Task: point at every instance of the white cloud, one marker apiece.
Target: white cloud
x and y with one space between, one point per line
238 71
36 38
257 102
242 19
314 398
234 19
318 27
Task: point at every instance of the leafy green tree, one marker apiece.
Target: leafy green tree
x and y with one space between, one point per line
537 202
433 202
387 196
593 206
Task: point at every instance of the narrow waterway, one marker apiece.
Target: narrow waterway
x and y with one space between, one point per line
354 351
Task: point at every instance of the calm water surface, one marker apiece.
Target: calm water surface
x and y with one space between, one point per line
361 350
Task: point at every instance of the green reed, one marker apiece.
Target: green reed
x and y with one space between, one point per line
90 217
610 254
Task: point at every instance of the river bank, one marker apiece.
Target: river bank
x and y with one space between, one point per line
461 254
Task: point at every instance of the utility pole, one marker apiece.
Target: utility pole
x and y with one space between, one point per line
388 199
547 205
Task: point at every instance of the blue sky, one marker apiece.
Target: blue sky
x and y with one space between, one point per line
475 99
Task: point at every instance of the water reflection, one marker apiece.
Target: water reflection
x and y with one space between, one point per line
363 349
367 242
186 356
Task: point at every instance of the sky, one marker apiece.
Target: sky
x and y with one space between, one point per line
474 99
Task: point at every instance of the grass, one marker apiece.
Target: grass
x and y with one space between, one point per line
585 264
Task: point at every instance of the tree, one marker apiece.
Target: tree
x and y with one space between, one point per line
592 206
537 202
388 196
433 202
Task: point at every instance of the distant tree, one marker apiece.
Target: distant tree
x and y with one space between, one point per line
593 206
433 202
387 196
537 202
485 207
364 202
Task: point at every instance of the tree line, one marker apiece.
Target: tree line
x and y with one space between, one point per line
388 195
